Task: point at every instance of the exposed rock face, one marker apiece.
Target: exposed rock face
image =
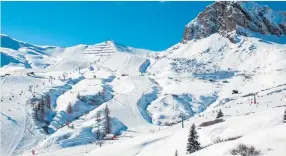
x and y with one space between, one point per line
226 17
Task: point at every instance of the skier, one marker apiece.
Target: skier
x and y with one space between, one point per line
33 152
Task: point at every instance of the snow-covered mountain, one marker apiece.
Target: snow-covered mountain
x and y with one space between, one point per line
53 99
231 18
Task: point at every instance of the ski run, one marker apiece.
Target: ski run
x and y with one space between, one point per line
108 99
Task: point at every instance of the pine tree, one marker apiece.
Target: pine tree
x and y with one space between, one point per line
41 108
98 134
98 115
219 114
69 108
284 118
98 120
35 110
38 109
193 145
107 120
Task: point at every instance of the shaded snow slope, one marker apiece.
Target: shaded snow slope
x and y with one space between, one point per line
217 53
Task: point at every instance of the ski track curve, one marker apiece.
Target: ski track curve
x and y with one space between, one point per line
125 106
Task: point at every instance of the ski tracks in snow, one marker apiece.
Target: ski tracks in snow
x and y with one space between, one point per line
125 106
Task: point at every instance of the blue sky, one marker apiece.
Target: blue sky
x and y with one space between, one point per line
151 25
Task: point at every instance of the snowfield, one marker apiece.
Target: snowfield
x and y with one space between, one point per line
54 100
147 101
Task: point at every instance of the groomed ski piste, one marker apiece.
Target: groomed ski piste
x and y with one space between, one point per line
147 94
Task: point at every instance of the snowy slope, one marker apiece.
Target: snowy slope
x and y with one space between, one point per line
217 53
29 55
85 70
13 109
148 93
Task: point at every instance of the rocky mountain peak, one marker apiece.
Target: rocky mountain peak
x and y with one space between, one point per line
225 17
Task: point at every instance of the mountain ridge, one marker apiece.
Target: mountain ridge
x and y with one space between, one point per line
226 17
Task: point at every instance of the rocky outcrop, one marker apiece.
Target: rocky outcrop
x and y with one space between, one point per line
228 17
